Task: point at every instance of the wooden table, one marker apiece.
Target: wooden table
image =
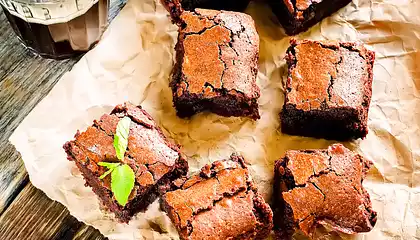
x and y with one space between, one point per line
26 212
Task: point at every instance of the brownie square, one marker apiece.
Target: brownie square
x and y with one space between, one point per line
216 64
221 202
328 89
299 15
155 161
321 187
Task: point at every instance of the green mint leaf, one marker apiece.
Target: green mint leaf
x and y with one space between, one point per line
110 166
122 183
106 173
121 137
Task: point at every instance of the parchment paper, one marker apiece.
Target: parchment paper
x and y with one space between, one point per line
133 62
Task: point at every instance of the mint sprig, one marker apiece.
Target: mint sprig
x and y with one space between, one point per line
122 183
122 176
122 180
110 166
121 137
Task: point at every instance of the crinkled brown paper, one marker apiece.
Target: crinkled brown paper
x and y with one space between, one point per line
133 62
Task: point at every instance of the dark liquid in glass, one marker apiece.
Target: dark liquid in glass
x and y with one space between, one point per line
39 37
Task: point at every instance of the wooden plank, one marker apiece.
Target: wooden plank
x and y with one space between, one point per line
13 176
114 8
87 232
24 85
34 216
24 80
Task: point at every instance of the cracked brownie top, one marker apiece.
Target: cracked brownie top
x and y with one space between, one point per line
149 154
217 52
326 74
219 203
325 187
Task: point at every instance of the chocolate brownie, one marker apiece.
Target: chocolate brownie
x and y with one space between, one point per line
175 7
216 64
324 187
299 15
328 90
154 160
221 202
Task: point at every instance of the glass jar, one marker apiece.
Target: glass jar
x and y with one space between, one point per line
57 28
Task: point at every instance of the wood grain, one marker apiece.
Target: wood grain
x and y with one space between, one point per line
87 232
24 80
13 176
26 212
34 216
